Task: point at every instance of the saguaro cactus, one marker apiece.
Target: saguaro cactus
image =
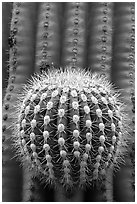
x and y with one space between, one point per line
63 120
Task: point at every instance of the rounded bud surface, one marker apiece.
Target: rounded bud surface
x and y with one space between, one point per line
85 156
88 123
110 113
61 127
88 136
63 99
33 147
23 142
101 127
112 148
94 100
36 109
109 156
76 154
46 120
63 153
33 123
100 149
99 113
22 133
117 112
61 141
48 158
83 164
66 162
46 147
114 139
49 165
46 134
104 100
113 127
98 158
61 112
43 96
97 164
75 105
76 145
54 93
83 97
111 100
75 118
66 170
102 139
32 136
120 134
74 93
75 133
88 147
87 109
49 105
27 109
35 155
120 124
23 123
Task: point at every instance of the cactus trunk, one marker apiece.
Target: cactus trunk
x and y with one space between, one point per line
64 132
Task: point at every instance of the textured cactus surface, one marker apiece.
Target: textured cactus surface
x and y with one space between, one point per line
68 133
69 127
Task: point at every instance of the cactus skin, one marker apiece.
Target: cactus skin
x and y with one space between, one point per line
20 67
100 60
5 34
123 76
74 42
100 38
126 173
69 128
48 36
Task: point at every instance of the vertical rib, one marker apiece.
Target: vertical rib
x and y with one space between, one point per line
74 42
123 77
100 38
6 16
48 36
21 57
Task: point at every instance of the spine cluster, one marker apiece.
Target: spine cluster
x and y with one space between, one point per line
69 127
